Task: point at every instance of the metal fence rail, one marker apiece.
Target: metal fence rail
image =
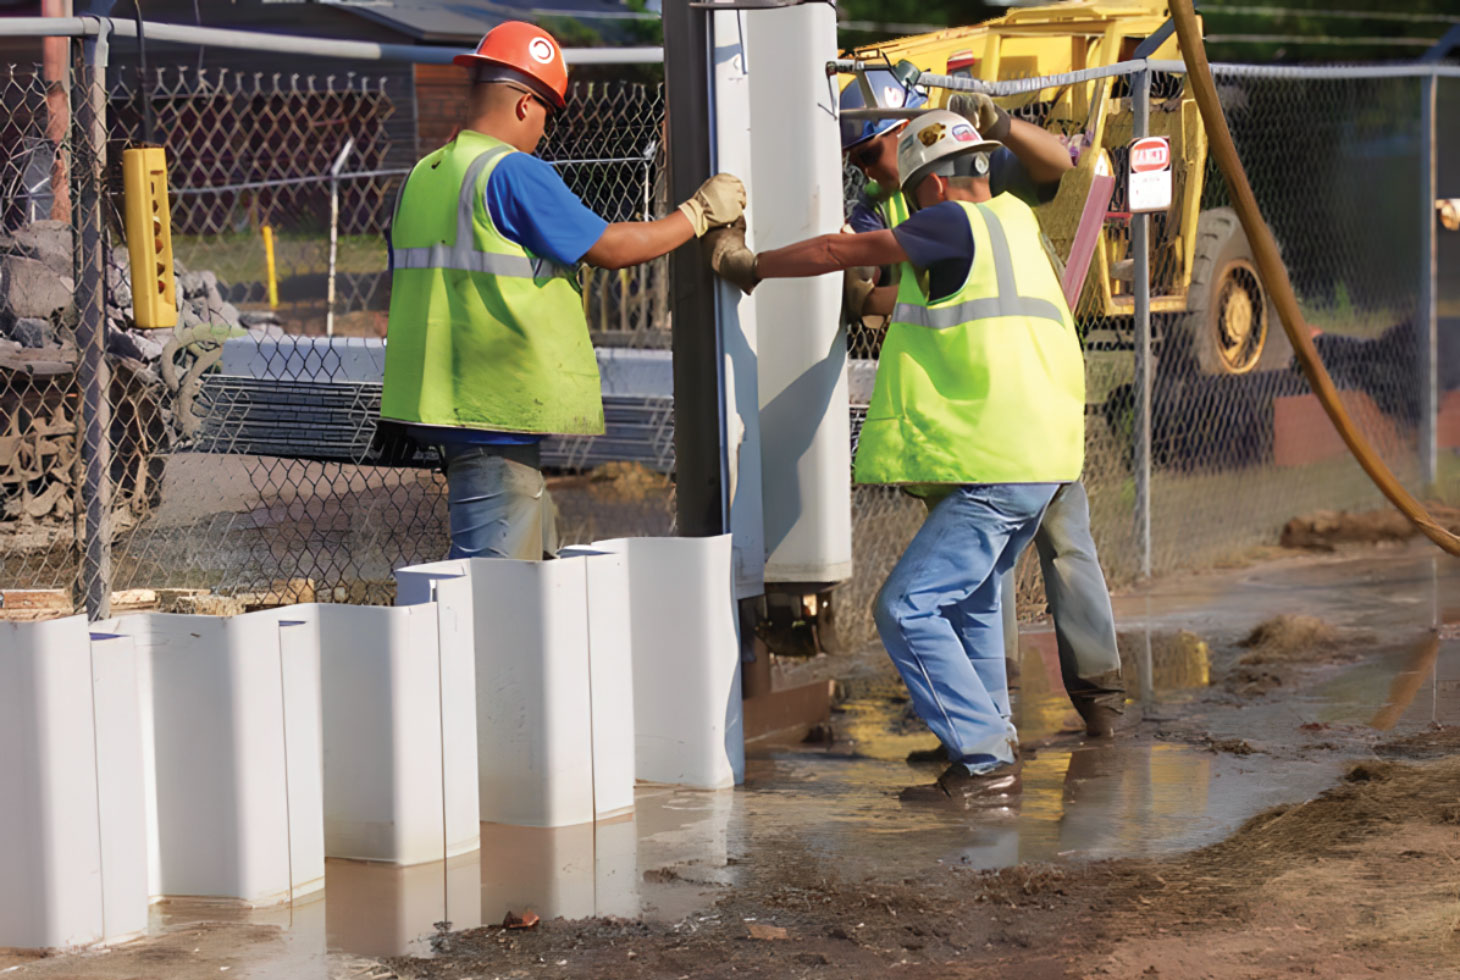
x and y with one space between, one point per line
198 465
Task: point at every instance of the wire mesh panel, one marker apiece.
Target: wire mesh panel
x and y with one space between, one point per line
39 398
272 481
1239 443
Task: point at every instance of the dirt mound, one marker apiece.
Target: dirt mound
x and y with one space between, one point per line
1289 639
1432 743
1373 796
1327 529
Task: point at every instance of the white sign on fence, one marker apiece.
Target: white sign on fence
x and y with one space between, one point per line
1150 174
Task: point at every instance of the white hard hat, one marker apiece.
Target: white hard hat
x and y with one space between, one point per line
940 142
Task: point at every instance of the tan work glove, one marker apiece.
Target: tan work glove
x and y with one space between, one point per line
724 248
719 201
857 284
988 118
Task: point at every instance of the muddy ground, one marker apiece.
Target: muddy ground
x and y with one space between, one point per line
1348 708
1361 881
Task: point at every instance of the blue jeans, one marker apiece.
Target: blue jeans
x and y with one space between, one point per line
939 618
498 503
1079 602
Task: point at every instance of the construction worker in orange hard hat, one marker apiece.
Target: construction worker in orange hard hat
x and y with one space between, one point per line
487 347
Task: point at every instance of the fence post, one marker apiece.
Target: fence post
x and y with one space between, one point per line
1429 326
339 164
93 375
1140 225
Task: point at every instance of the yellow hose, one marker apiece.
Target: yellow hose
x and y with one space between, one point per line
1275 277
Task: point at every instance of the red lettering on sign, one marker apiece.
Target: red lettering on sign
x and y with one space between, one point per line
1151 153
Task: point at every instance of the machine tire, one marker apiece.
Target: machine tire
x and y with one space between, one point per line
1225 286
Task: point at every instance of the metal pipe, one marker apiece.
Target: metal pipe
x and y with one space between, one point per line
700 497
291 44
1140 243
1429 324
93 375
56 70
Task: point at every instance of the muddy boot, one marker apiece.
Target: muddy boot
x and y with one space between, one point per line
937 754
959 788
1101 720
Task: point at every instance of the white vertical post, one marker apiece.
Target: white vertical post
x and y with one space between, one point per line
335 168
806 438
1140 243
730 94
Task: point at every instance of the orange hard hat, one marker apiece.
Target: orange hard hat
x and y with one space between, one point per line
521 52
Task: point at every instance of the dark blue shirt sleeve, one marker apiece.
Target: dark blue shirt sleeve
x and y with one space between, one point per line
530 205
939 240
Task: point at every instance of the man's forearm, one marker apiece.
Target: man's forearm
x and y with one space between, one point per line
1044 157
626 243
829 253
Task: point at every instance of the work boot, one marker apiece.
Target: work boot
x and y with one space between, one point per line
960 788
1101 720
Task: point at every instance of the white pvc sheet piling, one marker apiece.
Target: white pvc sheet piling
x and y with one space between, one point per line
399 731
233 767
72 818
804 427
554 699
686 660
735 312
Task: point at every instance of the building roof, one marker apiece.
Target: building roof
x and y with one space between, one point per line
465 21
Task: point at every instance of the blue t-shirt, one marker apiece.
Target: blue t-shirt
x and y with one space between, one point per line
532 206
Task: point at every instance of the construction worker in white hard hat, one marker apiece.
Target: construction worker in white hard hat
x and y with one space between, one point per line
487 348
1028 164
979 404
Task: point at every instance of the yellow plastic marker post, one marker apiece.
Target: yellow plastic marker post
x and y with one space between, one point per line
149 237
269 262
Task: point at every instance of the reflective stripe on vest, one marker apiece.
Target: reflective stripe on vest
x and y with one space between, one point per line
1007 303
462 255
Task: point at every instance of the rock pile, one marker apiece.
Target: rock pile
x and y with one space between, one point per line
37 298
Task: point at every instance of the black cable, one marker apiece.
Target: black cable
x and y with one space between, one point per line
142 81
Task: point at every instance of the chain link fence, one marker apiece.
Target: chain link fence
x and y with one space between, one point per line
237 450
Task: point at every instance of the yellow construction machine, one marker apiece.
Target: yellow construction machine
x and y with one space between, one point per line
1207 302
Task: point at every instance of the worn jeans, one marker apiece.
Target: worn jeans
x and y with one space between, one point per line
498 503
938 616
1079 602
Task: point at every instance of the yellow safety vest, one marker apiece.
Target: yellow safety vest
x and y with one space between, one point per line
482 334
986 385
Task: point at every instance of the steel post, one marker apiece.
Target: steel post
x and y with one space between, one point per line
700 483
93 375
1140 243
1428 319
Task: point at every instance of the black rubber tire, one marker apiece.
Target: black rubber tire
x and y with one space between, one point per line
1222 252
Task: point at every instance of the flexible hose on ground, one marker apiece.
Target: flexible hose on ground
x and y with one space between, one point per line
1275 277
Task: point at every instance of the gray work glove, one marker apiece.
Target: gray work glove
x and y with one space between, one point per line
857 284
719 201
724 248
991 121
